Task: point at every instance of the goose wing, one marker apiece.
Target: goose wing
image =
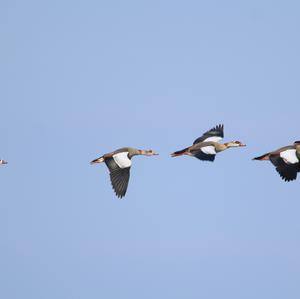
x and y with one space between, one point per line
215 134
205 153
204 157
119 177
287 172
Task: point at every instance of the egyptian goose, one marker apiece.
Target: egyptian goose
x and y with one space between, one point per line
286 160
206 147
119 163
2 162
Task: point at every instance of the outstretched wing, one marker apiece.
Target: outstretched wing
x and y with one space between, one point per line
288 172
215 134
119 177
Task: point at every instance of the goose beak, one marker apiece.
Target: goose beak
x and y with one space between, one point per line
242 144
153 153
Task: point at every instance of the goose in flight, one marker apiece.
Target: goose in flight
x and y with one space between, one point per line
119 163
206 147
2 162
285 159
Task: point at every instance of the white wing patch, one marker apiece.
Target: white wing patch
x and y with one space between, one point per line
209 150
289 156
214 139
122 160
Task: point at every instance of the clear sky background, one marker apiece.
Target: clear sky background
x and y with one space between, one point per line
82 78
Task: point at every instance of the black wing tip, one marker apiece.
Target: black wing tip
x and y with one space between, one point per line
119 193
287 179
119 179
287 175
217 131
219 128
120 196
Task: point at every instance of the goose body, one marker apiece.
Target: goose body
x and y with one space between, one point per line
207 146
2 162
286 160
119 163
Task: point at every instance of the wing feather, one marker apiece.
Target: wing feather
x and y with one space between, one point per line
204 157
287 172
215 134
119 177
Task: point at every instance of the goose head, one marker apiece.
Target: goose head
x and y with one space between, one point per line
297 145
3 162
149 152
234 144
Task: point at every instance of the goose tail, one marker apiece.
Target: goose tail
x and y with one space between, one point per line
98 160
179 153
263 157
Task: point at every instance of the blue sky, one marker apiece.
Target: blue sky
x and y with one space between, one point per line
82 78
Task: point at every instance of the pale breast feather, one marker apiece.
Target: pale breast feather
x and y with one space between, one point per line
209 150
289 156
122 160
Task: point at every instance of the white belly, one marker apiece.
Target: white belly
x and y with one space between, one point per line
289 156
122 160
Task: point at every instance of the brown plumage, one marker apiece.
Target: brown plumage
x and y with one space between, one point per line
206 147
119 163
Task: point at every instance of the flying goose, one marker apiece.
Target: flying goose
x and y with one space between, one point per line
119 163
286 160
2 162
206 147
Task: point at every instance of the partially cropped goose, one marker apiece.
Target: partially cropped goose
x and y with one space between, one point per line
286 160
2 162
206 147
119 163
